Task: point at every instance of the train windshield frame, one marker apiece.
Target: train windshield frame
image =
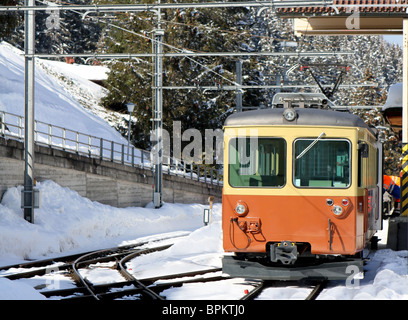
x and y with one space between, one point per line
326 165
257 162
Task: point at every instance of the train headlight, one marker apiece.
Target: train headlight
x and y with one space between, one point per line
289 114
337 210
241 208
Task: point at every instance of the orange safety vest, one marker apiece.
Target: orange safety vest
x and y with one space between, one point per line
392 185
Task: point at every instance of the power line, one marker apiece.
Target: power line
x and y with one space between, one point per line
156 6
243 87
185 53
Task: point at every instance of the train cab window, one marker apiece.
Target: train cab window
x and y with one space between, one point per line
257 162
325 165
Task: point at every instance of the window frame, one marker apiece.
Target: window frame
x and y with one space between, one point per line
322 140
284 162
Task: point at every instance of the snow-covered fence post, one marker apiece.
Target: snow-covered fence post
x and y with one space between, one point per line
3 125
50 134
20 126
90 146
35 131
133 156
123 154
63 138
101 149
77 142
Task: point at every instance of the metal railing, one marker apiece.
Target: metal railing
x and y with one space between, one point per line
12 127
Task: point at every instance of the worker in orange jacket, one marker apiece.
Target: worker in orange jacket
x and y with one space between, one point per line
392 184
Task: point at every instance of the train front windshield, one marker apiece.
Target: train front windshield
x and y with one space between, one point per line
325 165
257 162
261 162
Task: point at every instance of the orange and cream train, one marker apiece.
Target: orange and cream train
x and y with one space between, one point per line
302 193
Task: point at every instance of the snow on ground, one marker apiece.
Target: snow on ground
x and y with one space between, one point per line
67 223
77 79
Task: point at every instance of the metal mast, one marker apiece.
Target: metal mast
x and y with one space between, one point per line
238 97
158 112
29 48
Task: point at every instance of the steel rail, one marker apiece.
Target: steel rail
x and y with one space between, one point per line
251 295
145 291
317 290
105 292
82 280
72 264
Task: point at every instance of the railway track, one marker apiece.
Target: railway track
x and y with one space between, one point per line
316 287
78 270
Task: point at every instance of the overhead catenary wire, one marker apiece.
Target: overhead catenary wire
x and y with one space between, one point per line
153 40
181 51
155 6
187 53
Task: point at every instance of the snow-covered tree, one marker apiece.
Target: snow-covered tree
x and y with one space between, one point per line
373 60
59 31
8 20
208 30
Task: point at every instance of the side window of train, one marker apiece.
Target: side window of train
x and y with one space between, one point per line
363 153
363 149
257 162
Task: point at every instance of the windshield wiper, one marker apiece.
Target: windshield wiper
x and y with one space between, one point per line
310 145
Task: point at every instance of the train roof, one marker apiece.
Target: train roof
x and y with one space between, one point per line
305 116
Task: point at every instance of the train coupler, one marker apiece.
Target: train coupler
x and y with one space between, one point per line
285 251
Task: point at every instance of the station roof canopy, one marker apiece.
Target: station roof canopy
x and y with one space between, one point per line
346 16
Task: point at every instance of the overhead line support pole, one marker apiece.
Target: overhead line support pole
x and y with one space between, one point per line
29 49
158 114
238 97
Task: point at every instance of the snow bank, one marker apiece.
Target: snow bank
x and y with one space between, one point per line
67 221
202 249
386 278
13 290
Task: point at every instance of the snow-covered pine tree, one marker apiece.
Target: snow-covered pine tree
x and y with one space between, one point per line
8 20
59 31
208 30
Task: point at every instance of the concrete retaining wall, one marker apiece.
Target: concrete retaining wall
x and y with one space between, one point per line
103 181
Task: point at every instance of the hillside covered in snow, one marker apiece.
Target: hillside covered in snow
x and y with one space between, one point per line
63 95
